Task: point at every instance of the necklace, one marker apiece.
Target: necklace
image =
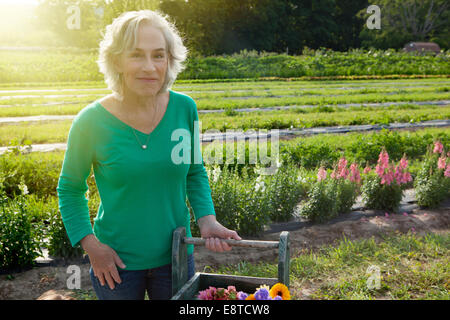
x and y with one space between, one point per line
144 146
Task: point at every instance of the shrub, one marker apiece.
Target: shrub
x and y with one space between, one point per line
320 205
348 185
19 240
384 190
284 191
331 197
432 183
59 244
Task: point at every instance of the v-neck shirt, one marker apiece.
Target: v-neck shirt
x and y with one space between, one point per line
143 192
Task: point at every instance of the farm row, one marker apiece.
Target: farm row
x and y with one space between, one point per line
306 105
56 65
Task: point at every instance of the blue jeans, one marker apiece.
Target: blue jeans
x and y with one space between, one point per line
157 282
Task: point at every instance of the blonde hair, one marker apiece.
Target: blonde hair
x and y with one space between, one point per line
122 34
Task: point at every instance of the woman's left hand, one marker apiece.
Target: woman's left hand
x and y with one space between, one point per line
213 232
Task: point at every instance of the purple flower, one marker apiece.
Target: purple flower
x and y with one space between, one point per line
242 295
262 294
277 298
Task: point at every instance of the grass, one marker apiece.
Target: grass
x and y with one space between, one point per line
57 131
411 267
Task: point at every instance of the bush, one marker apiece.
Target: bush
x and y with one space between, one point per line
246 201
380 197
19 240
334 196
432 185
284 192
384 190
321 205
59 244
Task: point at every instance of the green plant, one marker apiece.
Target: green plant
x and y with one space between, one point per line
384 191
432 183
380 197
284 192
19 239
59 244
320 205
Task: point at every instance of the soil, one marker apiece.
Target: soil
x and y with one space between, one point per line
32 284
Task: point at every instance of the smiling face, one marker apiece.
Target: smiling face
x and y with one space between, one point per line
144 67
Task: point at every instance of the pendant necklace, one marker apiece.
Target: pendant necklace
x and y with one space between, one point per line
144 146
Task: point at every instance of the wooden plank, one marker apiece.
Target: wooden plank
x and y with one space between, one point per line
190 289
179 260
236 243
284 258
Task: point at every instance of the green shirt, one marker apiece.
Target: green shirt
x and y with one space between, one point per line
143 191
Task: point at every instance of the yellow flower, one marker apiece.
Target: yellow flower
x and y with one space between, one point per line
250 297
280 289
264 286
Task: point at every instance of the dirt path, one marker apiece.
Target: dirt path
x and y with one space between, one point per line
33 283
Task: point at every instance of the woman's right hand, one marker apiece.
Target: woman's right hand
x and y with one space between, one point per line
103 260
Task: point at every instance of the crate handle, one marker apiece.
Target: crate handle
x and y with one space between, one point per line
235 243
179 255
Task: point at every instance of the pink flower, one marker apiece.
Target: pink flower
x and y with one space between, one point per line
383 159
354 177
438 147
413 229
367 170
386 215
342 168
322 174
405 214
342 163
441 162
387 178
208 294
403 163
447 171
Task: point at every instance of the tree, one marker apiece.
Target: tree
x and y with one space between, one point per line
75 23
409 20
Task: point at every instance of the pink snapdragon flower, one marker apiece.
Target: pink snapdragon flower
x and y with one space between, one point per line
441 162
438 147
400 175
367 169
447 171
354 176
322 174
383 163
342 168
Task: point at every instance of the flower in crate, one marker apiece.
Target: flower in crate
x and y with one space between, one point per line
262 294
278 292
207 294
279 289
241 295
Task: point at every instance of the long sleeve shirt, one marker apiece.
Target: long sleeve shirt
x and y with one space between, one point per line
143 191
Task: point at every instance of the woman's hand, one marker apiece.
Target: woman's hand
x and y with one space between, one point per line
213 231
103 260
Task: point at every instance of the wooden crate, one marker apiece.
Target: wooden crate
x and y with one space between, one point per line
182 289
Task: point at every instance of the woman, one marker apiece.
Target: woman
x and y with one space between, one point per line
128 137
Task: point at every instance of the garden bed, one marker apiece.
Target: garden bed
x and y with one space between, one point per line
33 283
